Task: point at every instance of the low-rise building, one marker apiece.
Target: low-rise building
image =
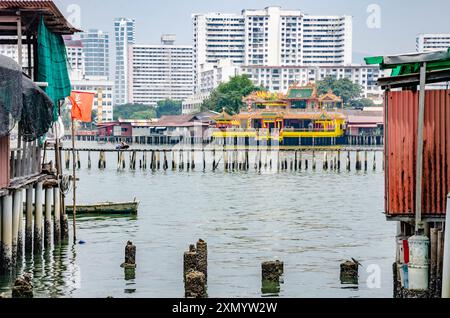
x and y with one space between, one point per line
214 74
194 103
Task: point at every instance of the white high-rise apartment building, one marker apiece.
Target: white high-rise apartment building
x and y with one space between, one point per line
327 40
96 53
432 42
218 36
273 37
125 35
160 72
276 37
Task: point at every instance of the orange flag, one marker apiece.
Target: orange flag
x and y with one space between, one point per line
82 105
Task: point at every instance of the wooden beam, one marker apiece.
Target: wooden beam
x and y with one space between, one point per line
414 79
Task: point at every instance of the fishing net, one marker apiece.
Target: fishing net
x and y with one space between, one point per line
37 112
52 57
10 94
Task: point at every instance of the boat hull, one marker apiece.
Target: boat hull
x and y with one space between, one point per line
105 208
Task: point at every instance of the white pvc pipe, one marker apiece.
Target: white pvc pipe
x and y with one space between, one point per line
446 265
17 197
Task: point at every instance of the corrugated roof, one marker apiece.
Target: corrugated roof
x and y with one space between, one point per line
54 19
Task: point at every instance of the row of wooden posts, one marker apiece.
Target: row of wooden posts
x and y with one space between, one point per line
234 160
44 223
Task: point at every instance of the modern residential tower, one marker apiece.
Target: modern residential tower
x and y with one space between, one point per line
272 37
159 72
124 36
96 53
217 36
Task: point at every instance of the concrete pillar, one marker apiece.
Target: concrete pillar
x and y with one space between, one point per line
57 215
16 213
48 217
21 227
38 228
29 221
7 219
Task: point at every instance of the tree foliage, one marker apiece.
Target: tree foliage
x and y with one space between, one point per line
344 88
229 95
361 103
168 107
134 111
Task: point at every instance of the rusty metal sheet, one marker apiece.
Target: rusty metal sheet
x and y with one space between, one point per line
4 161
400 157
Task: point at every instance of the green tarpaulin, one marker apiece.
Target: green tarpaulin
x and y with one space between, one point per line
52 65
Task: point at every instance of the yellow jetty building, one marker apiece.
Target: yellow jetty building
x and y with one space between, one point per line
300 117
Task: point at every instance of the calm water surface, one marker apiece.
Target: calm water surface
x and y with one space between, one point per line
311 220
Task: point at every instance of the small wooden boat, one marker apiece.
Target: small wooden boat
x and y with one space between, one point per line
105 208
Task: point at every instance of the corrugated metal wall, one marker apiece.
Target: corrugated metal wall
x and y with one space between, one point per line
401 138
4 161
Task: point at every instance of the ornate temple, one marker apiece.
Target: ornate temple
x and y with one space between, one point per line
301 116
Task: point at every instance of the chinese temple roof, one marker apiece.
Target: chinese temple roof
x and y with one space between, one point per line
224 116
330 96
302 92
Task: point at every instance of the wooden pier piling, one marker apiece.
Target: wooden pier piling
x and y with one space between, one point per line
202 258
349 163
190 261
366 161
158 160
195 285
48 218
101 160
17 215
350 272
67 159
194 280
57 216
29 220
314 161
89 160
130 256
166 162
272 271
339 160
78 160
174 164
374 161
39 198
358 162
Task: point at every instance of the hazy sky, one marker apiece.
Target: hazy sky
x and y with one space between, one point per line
401 20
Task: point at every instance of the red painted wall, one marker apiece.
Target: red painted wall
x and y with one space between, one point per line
4 161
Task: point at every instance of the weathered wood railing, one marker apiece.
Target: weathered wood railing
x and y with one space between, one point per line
25 159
